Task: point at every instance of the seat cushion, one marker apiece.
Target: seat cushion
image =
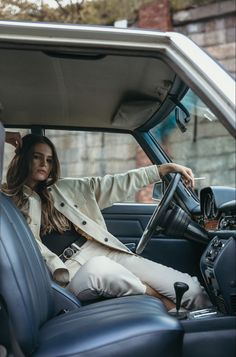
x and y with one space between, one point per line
127 326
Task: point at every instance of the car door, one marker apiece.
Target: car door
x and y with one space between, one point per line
128 221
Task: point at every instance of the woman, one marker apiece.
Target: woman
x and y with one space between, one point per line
65 218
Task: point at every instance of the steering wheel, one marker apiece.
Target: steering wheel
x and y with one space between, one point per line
158 213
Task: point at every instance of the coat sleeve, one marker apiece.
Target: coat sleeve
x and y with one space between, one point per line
57 268
118 187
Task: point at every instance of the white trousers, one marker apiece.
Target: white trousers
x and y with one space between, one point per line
105 272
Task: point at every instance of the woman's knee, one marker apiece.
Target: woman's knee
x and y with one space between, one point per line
196 297
105 275
88 280
102 276
96 277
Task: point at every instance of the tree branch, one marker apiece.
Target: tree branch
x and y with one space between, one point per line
61 7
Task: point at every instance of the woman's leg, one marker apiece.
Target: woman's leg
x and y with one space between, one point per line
162 279
147 273
102 277
167 302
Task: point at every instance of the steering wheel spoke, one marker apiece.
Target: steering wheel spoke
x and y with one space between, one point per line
158 214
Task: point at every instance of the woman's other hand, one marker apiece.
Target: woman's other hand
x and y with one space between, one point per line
186 172
13 138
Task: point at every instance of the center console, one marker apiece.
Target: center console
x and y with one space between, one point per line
212 331
218 267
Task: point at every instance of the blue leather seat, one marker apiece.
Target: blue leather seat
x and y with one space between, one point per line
128 326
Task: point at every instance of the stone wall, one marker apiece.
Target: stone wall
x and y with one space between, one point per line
210 154
213 28
91 153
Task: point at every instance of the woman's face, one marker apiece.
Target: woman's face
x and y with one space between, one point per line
41 165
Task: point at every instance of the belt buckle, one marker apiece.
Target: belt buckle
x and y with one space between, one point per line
70 251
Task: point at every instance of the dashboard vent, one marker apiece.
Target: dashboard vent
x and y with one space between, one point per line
220 304
233 303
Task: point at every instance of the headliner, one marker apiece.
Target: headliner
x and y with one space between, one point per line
81 89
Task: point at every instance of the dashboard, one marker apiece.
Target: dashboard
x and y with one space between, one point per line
218 205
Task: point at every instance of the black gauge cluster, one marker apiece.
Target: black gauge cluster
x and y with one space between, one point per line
219 203
209 206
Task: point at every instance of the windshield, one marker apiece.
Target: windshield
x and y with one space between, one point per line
199 140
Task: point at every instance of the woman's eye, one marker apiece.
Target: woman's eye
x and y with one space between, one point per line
49 161
35 156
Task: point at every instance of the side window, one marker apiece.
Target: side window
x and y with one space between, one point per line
96 154
93 154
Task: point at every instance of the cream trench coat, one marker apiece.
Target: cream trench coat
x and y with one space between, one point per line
81 201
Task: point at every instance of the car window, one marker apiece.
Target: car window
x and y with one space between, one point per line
97 154
93 154
199 141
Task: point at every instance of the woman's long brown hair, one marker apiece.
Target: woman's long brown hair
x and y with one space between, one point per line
17 174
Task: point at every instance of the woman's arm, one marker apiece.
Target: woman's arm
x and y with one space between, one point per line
117 188
13 138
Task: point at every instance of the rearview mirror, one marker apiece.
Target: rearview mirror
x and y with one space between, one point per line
182 117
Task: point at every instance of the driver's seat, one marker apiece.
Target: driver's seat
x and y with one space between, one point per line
128 326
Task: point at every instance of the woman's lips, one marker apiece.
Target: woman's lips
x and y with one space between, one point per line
42 172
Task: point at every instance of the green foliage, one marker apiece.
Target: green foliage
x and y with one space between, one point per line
103 12
18 10
32 11
106 12
97 12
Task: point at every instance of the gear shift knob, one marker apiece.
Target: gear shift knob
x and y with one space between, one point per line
180 289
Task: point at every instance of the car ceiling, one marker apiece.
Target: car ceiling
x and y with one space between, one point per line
54 88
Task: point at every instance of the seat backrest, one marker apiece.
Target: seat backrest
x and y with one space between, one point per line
24 280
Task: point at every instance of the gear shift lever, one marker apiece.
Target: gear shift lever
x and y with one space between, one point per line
180 289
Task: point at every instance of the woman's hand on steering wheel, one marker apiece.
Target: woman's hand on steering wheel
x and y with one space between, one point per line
185 172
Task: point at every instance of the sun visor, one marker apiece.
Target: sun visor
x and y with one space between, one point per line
132 114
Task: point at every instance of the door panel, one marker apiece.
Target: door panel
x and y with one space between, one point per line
128 221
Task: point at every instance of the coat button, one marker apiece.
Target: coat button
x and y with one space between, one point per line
84 222
76 206
105 239
62 204
49 189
